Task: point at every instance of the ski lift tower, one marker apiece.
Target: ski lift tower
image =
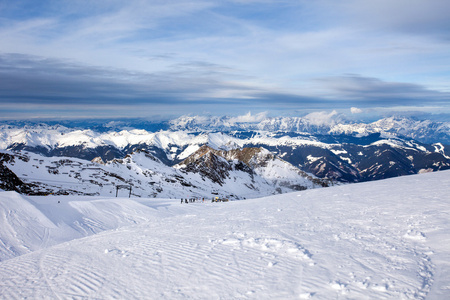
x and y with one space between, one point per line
128 187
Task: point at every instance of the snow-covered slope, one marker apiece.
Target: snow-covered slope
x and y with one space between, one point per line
149 177
33 223
388 239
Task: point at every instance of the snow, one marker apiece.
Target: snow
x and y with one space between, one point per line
188 151
388 239
337 152
277 170
347 159
54 137
312 159
439 148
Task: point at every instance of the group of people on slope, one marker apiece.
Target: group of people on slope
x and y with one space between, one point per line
192 200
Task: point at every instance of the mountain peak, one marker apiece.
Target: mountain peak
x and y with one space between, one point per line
255 161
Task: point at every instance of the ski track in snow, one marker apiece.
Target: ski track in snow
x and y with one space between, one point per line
381 240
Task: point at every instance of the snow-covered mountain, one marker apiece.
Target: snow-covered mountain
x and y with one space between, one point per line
257 162
425 131
313 123
147 176
388 239
331 149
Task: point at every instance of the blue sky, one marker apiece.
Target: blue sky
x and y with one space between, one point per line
136 58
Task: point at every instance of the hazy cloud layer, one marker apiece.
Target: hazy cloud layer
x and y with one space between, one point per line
372 92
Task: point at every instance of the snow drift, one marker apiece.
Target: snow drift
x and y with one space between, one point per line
380 240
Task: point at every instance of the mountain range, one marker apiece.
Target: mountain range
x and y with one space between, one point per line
205 174
203 156
335 124
319 123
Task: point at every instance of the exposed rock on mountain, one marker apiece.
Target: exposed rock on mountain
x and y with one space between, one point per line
217 164
9 180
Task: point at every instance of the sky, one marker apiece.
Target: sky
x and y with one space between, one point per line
155 59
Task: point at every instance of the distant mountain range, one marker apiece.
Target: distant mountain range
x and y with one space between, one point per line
425 131
201 155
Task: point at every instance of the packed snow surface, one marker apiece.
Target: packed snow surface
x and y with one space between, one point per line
388 239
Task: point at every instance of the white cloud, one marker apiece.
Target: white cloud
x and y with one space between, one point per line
355 110
249 118
323 118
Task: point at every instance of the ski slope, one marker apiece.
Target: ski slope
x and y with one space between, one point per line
388 239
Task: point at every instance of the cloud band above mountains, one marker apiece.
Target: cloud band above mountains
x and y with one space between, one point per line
35 85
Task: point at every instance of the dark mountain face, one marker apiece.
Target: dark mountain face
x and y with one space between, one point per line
9 180
357 163
215 167
80 151
217 164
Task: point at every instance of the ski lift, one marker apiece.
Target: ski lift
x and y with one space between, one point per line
128 187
